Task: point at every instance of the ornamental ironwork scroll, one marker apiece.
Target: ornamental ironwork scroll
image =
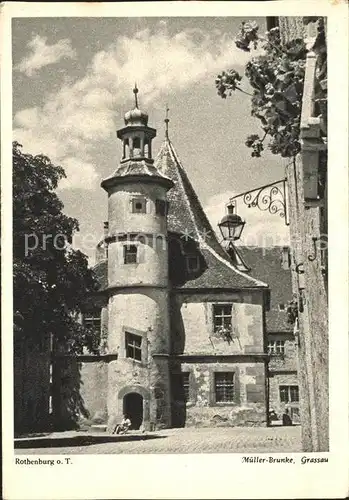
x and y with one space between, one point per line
271 198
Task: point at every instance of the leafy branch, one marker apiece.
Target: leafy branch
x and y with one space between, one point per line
51 280
277 80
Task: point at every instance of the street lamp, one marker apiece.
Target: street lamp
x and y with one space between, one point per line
231 225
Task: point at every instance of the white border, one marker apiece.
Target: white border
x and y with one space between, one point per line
194 476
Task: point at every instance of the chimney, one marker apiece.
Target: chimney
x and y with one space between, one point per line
285 258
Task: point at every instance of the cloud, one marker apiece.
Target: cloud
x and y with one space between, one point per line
79 172
75 120
261 229
43 54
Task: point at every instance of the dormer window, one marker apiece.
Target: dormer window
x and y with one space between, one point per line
193 263
139 205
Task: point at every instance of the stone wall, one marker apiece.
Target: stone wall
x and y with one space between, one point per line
275 380
287 361
80 387
249 404
310 287
31 385
120 215
144 310
192 324
149 379
94 390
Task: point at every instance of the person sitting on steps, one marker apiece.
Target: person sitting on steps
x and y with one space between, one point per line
123 427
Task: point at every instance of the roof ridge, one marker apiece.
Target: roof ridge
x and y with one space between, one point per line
196 220
177 160
228 264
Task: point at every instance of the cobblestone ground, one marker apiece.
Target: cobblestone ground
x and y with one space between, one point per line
188 440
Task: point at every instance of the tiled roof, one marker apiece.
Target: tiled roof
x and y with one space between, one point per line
136 168
220 274
265 262
186 214
187 217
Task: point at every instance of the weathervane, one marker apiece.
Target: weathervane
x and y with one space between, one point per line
135 91
271 198
167 120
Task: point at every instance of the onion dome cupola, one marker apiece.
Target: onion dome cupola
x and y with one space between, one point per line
137 163
136 136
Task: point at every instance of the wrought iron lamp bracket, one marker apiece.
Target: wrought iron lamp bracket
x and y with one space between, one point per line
270 197
299 268
313 256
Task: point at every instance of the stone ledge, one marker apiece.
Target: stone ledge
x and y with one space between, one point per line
213 357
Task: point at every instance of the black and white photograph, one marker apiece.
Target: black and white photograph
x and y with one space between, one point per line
170 237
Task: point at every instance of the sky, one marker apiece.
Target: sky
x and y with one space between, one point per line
72 84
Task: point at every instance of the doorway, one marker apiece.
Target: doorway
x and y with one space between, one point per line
133 408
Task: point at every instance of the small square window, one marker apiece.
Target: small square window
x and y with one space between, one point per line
224 387
222 316
161 207
276 347
133 346
92 320
289 393
193 263
130 254
139 205
281 307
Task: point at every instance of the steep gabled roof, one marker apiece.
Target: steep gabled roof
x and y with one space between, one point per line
265 262
187 218
220 274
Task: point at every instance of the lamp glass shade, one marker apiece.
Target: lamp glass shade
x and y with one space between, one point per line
231 227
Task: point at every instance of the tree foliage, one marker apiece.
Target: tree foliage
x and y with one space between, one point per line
51 280
277 80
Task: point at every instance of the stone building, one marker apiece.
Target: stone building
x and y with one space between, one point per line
187 338
183 339
273 265
308 204
188 335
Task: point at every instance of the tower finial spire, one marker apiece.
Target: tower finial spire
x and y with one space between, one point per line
166 121
135 91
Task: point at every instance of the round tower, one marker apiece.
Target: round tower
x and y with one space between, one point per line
138 305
